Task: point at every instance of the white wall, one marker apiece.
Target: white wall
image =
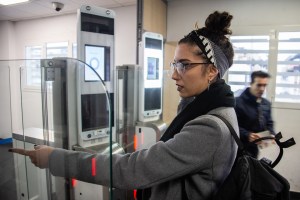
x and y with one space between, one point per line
6 52
287 121
6 40
5 117
126 35
43 30
51 29
250 17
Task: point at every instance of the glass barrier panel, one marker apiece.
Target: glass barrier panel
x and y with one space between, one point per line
141 119
74 109
65 111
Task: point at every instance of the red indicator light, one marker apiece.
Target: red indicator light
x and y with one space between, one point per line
93 166
74 182
135 142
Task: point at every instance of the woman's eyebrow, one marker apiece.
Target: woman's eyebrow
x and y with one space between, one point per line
182 60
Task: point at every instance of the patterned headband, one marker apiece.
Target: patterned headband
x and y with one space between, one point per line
211 51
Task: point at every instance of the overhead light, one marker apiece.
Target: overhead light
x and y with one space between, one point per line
10 2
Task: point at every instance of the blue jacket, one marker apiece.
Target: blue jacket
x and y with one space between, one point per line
247 113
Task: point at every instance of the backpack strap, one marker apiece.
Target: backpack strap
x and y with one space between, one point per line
285 144
232 131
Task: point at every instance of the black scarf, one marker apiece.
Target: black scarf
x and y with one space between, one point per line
218 95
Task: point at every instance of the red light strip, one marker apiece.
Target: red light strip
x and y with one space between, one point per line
93 166
74 182
135 142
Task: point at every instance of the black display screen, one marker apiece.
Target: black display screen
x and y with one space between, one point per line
153 43
97 24
95 111
152 99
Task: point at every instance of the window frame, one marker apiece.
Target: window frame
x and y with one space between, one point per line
272 59
36 88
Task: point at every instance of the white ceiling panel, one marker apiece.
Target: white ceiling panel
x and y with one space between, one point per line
43 8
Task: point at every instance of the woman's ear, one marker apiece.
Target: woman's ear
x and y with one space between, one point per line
212 71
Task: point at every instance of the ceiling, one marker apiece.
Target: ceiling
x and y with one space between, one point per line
43 8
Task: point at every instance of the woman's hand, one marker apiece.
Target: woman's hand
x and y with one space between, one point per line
39 156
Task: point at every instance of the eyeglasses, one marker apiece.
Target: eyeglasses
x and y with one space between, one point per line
181 68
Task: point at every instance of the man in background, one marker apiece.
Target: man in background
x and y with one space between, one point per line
254 112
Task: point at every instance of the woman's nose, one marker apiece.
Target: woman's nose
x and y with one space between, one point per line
175 75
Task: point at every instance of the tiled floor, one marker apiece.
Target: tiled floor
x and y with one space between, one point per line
7 174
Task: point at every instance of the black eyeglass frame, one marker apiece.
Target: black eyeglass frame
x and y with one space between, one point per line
184 66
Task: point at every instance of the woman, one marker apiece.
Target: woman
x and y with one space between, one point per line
197 151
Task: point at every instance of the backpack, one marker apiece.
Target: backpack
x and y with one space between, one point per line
253 179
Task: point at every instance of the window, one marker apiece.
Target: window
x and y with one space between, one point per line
33 55
250 54
288 68
59 49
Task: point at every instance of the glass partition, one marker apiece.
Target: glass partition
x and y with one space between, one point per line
136 132
63 111
69 112
133 131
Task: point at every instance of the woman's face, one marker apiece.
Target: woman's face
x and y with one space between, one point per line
195 78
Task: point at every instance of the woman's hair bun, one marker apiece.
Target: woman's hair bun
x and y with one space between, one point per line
219 23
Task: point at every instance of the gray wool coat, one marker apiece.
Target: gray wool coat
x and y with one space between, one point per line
203 153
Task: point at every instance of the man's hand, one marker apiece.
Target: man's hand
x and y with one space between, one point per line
262 144
253 136
39 157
